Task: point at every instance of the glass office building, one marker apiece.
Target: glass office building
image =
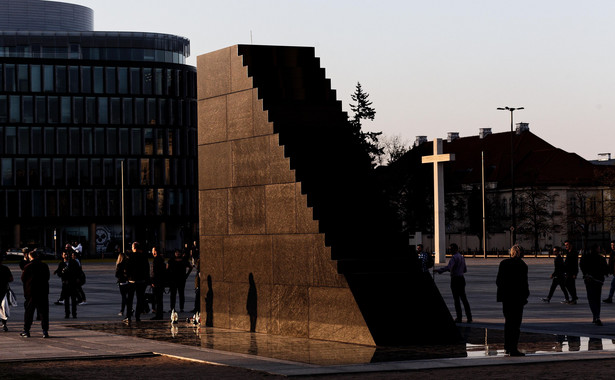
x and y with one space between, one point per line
75 106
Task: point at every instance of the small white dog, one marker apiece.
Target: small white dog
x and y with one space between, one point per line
174 316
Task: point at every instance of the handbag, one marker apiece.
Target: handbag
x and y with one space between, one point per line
5 310
11 297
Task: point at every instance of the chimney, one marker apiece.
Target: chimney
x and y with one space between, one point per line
604 156
452 136
522 127
484 132
419 140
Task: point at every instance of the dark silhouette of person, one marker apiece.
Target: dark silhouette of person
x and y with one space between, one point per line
35 279
572 270
69 272
513 292
158 277
457 267
252 303
178 269
137 273
594 268
5 277
209 304
558 276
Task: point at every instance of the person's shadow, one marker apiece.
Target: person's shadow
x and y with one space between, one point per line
209 304
252 303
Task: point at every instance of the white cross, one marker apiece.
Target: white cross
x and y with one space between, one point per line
438 159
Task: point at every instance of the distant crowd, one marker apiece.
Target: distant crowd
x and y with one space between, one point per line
136 279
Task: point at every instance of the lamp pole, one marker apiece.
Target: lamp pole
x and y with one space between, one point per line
513 202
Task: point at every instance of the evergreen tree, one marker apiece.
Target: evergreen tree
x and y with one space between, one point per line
363 110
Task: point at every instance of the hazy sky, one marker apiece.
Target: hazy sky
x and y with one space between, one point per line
430 67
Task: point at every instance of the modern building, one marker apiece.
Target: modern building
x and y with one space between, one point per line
77 105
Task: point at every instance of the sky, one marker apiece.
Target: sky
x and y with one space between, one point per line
429 67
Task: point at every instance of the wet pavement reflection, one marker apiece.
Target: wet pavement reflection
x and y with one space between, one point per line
480 342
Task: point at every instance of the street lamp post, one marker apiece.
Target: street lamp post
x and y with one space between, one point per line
513 202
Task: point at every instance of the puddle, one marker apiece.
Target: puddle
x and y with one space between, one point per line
480 342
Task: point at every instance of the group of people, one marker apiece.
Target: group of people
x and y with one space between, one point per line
513 285
594 268
73 278
134 275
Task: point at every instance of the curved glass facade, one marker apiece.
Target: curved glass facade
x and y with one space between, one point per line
71 112
44 15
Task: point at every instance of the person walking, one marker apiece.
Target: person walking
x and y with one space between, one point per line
513 291
81 281
122 280
35 279
179 269
158 276
457 267
5 277
572 270
594 268
609 299
558 276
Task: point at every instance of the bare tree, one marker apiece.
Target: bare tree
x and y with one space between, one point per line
535 209
393 148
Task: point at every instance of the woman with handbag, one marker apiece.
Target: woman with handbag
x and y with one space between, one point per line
5 277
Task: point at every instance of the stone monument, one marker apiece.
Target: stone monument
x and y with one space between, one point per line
295 236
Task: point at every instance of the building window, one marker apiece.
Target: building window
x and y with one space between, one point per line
122 76
61 79
135 81
65 110
62 141
41 109
7 172
46 172
24 140
110 79
127 116
103 111
28 109
50 140
22 78
35 78
73 79
98 80
86 79
48 78
84 172
14 109
9 78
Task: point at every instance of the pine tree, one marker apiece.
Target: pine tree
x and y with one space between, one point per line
363 110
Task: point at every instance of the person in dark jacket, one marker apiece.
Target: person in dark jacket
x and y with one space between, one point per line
35 279
572 270
179 269
122 281
594 268
558 276
609 299
513 291
137 274
5 277
69 271
159 269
